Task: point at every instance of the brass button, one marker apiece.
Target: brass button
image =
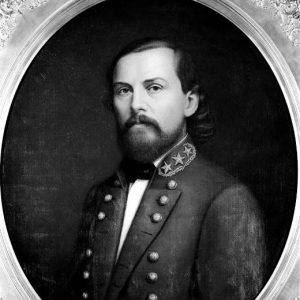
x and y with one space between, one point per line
156 217
85 295
88 252
152 297
163 200
152 277
101 216
172 185
153 256
86 274
108 197
117 183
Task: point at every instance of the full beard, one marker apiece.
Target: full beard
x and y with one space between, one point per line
146 142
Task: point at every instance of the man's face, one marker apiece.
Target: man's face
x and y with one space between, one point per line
148 100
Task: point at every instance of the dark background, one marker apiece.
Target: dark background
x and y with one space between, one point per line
60 138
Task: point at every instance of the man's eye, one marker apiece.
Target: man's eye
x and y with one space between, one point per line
154 88
123 91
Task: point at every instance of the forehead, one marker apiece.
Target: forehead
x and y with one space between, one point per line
158 62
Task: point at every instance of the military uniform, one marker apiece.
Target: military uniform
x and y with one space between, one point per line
197 234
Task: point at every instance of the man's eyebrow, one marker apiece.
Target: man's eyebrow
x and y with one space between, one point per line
120 83
154 79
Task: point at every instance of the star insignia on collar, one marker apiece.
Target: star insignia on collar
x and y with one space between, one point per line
166 168
187 151
178 159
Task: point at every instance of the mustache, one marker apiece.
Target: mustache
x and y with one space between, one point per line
140 119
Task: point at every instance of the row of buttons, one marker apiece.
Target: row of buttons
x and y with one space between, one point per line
151 277
156 217
107 198
101 216
153 256
86 274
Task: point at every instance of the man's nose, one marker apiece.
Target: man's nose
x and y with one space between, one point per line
138 101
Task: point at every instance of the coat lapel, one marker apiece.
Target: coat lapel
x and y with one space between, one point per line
148 222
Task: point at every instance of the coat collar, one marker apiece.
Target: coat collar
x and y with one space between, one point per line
178 158
173 161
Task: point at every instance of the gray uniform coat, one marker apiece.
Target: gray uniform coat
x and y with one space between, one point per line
204 240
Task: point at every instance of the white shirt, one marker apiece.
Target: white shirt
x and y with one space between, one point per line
135 195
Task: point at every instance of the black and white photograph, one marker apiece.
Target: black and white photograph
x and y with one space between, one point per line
149 152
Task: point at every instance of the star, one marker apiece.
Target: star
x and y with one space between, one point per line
166 168
178 159
187 151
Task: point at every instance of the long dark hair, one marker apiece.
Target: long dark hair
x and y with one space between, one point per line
200 125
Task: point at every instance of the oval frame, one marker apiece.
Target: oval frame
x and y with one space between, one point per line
17 55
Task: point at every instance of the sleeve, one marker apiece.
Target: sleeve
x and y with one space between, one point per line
231 254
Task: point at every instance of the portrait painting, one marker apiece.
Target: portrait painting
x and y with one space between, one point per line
149 150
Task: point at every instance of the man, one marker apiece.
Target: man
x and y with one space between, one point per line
168 224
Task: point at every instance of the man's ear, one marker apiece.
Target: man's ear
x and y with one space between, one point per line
192 101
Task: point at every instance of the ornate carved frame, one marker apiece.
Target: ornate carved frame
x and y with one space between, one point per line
272 25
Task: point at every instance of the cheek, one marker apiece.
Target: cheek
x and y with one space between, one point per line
121 110
171 118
